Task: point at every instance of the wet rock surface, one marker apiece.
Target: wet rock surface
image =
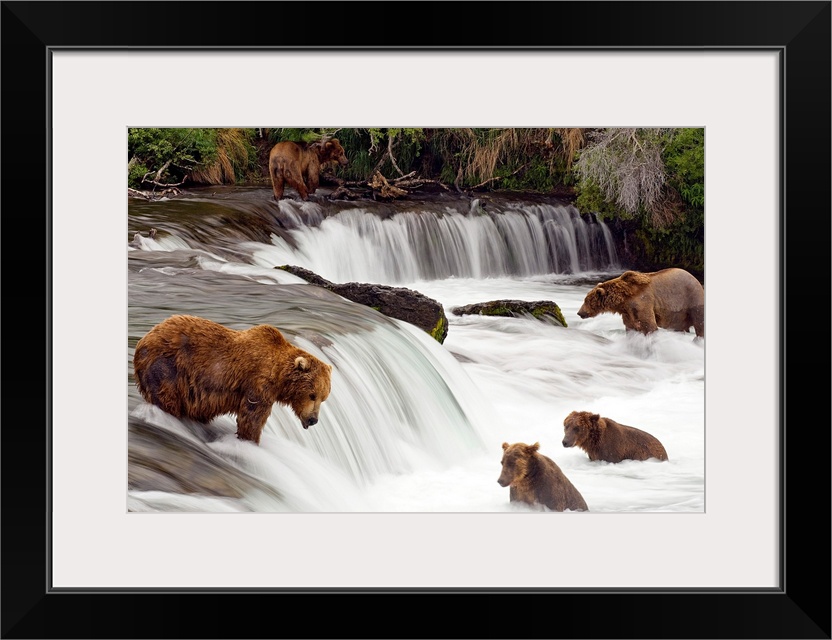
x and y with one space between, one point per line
540 309
395 302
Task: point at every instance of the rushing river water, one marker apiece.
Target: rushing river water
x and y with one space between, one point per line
411 425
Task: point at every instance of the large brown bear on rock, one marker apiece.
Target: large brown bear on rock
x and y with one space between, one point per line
299 165
606 439
671 299
537 480
195 368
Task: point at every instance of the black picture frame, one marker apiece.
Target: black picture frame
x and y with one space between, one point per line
799 608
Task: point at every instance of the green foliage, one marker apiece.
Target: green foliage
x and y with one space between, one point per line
684 158
379 137
590 198
135 173
181 149
293 135
670 222
539 175
680 244
211 156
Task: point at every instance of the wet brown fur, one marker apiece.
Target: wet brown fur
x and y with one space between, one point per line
669 299
537 480
194 368
605 439
299 165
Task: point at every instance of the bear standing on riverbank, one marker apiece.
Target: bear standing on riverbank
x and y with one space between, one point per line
671 299
537 480
299 165
195 368
605 439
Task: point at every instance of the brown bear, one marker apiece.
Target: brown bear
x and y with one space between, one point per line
537 480
299 164
195 368
606 439
671 299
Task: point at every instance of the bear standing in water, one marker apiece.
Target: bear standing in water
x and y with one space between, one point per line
669 299
194 368
536 480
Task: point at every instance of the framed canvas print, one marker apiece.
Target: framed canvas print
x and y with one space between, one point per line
416 318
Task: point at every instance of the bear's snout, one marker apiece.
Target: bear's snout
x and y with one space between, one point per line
582 313
309 422
566 444
502 483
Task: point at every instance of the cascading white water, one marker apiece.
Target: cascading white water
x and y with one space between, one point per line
411 424
528 240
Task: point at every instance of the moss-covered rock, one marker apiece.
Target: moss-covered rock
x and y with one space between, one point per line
539 309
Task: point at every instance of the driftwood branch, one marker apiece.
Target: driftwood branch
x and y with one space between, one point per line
457 180
135 193
380 184
156 181
390 153
153 195
495 179
164 185
403 177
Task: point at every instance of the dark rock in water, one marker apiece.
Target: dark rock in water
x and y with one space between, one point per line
540 309
396 302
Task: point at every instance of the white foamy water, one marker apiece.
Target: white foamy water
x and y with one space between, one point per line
417 426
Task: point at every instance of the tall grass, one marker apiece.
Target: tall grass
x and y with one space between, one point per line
235 160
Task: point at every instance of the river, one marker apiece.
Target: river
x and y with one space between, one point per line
411 425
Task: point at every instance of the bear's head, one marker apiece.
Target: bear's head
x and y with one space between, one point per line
578 428
594 303
515 462
308 385
611 295
332 151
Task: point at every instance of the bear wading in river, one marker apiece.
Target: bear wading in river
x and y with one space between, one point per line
299 165
534 479
669 299
194 368
607 440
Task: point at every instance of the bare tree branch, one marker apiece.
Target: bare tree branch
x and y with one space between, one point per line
390 153
496 178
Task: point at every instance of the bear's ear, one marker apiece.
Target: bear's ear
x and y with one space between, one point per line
600 293
533 447
505 446
634 277
594 418
301 364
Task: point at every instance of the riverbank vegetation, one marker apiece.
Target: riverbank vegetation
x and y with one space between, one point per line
647 183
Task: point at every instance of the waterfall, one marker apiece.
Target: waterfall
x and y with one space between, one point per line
515 241
411 424
399 401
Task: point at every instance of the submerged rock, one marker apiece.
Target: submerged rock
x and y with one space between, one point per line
540 309
160 460
396 302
